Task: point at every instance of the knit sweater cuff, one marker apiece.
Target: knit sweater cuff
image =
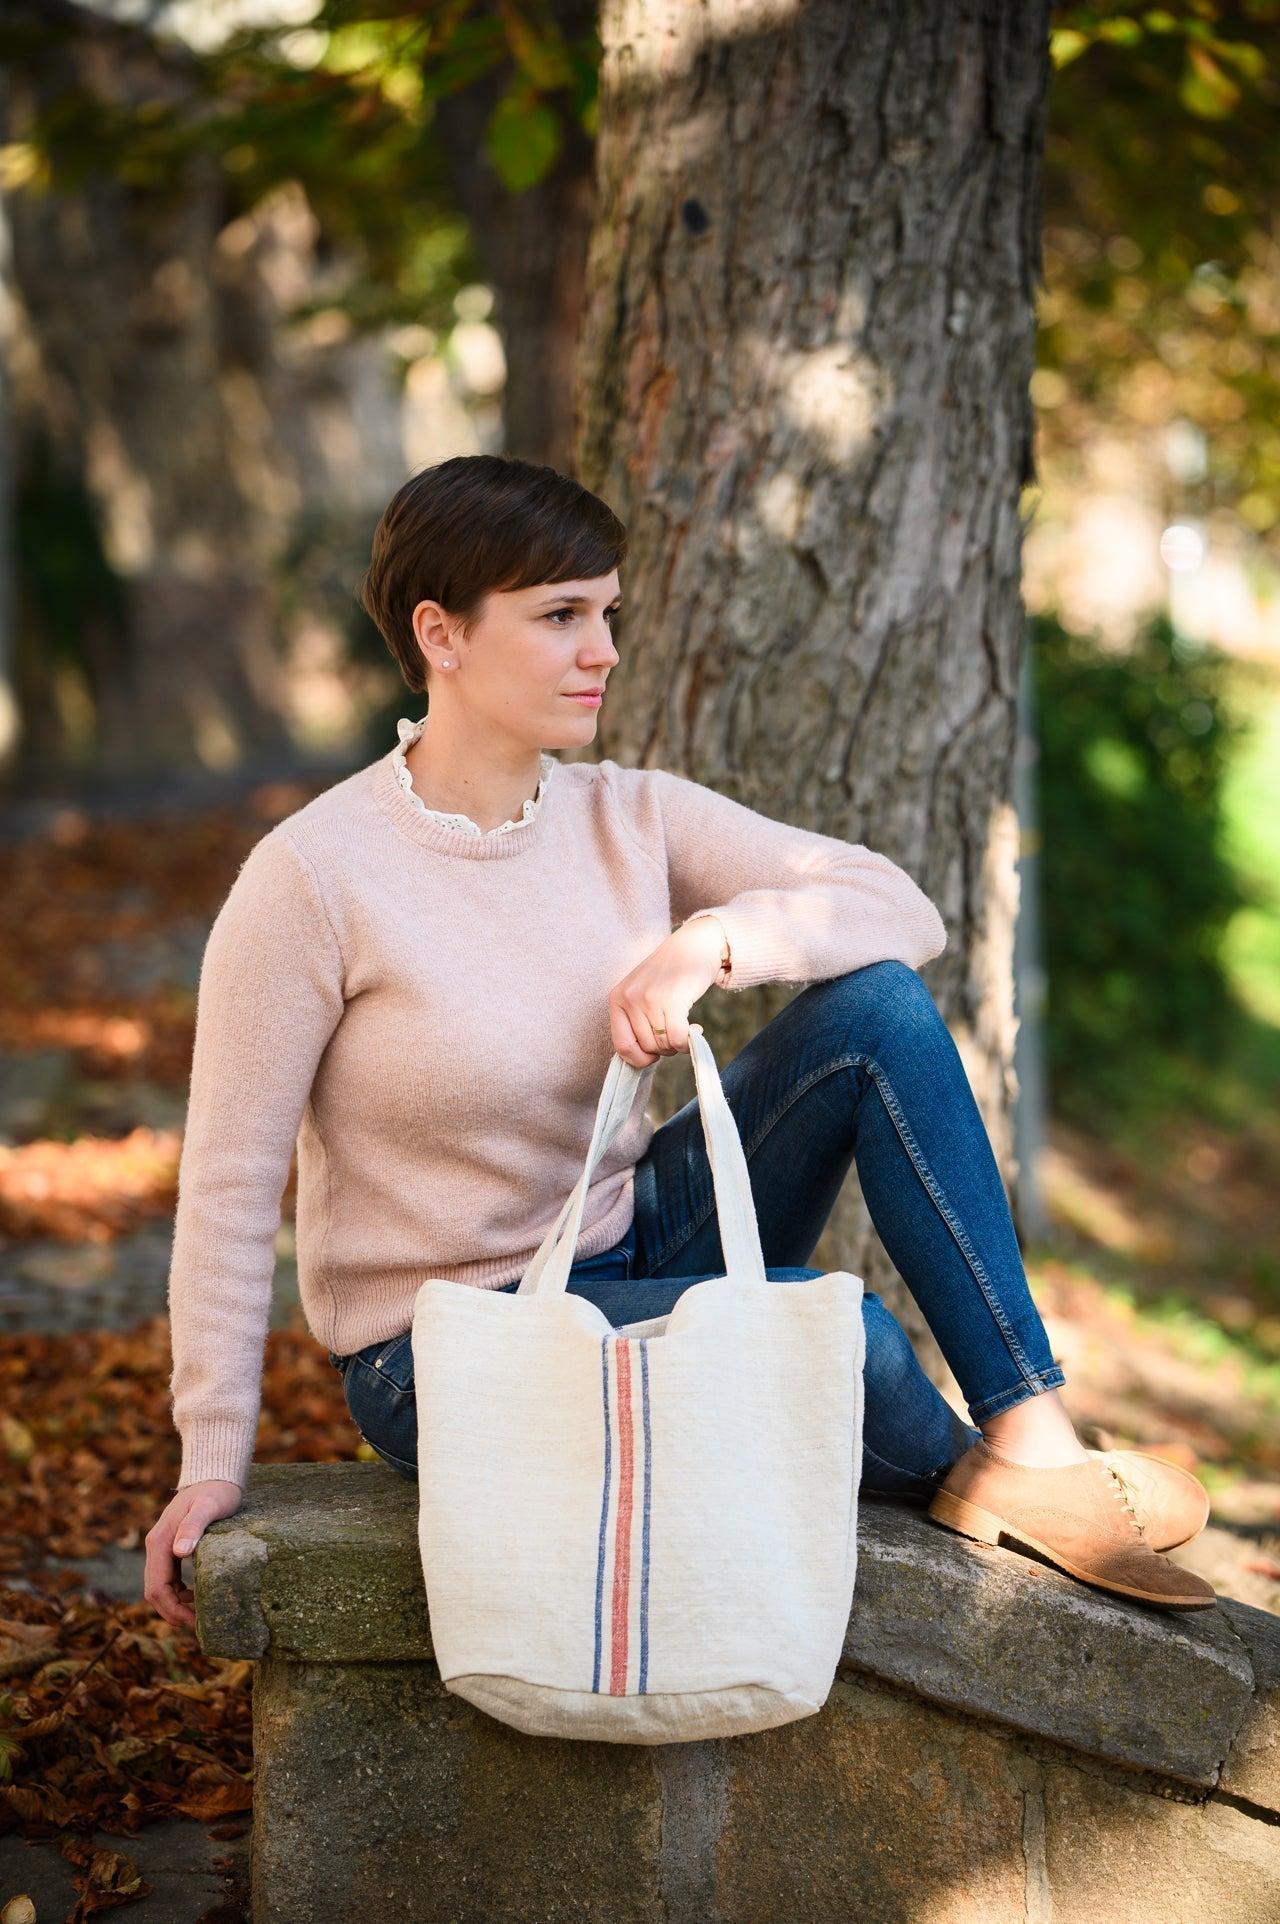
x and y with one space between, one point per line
218 1446
760 951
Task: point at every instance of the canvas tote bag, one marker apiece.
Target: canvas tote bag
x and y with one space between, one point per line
643 1535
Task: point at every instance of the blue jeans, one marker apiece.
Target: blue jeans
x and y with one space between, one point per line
859 1067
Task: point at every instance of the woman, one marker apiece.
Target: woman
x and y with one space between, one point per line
422 977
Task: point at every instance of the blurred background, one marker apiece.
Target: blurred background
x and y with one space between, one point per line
258 261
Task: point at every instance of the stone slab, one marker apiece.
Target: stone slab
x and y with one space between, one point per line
879 1809
983 1631
382 1796
1252 1769
1117 1856
324 1568
998 1635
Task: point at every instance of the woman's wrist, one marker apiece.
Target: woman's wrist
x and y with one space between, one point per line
721 977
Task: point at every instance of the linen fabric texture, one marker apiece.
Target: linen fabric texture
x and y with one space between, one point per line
426 1012
645 1535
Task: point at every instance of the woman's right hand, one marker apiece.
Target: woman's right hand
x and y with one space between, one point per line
174 1535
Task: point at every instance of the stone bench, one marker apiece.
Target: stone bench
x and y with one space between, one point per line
1001 1744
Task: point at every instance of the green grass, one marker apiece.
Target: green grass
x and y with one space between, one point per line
1251 821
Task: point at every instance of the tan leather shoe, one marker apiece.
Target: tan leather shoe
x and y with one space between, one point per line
1077 1516
1171 1506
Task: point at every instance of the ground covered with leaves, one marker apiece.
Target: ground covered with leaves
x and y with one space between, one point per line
109 1720
86 1430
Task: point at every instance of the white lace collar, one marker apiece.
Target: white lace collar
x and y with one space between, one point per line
409 731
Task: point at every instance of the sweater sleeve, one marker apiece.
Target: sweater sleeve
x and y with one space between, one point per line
269 998
797 906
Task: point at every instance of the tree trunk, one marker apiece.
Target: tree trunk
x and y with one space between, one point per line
803 384
534 249
128 391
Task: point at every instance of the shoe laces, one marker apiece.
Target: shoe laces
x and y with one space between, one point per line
1124 1489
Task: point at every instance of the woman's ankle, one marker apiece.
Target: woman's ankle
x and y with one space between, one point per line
1037 1433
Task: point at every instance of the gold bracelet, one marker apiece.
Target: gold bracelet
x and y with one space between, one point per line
726 960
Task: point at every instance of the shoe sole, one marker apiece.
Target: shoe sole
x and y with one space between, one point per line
968 1520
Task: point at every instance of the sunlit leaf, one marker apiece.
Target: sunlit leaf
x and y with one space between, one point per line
1204 89
1244 56
1066 44
16 1439
1122 31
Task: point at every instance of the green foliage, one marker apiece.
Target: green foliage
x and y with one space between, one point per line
1162 174
1204 86
1137 891
344 107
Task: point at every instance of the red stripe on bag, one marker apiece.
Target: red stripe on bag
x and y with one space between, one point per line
622 1527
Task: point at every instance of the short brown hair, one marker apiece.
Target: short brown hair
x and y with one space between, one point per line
477 525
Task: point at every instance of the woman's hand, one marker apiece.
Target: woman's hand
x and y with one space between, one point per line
174 1535
660 991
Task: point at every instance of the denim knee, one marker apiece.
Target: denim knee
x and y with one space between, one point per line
888 1004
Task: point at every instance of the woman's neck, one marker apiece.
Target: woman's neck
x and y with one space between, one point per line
458 781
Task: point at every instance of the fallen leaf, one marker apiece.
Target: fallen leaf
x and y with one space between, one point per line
16 1439
24 1646
218 1800
26 1800
104 1879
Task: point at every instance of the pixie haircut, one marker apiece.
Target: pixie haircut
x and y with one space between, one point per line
478 525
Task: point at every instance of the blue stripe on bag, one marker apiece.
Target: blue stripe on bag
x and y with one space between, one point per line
644 1553
604 1516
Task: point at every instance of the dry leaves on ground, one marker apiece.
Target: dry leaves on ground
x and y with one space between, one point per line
123 1722
91 1190
110 1718
87 1445
92 891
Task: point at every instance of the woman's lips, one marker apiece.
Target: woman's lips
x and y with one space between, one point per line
588 701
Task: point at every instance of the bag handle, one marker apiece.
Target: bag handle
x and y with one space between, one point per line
548 1272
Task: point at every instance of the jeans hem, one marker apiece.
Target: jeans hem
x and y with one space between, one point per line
922 1485
1052 1379
395 1463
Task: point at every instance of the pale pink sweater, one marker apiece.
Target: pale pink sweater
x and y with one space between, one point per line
425 1011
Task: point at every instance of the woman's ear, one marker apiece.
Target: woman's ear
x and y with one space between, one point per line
430 624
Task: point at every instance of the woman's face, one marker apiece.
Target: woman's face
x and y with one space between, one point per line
532 652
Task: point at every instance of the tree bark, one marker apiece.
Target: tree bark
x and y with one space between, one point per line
130 387
803 384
